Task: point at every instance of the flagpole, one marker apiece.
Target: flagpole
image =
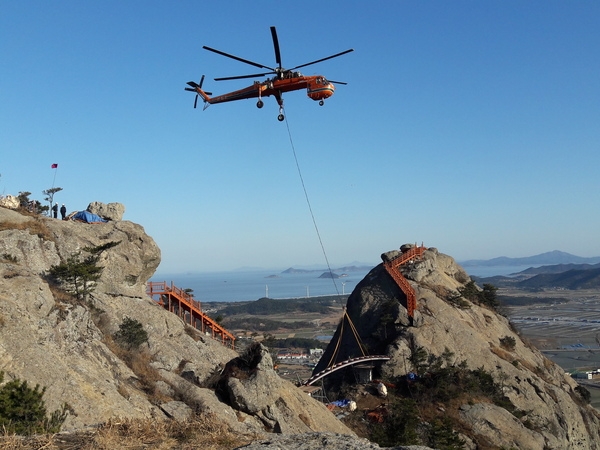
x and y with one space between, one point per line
55 167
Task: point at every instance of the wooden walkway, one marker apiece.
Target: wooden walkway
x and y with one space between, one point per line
183 304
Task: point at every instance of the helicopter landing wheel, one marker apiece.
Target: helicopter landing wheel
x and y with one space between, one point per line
280 117
321 103
259 104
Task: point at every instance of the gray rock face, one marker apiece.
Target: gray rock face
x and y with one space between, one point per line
110 211
49 339
556 417
253 387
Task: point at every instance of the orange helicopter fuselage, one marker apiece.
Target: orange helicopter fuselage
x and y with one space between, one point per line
317 88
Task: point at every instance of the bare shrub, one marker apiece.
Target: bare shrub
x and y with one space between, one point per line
123 392
502 354
205 431
7 257
61 296
193 333
11 274
508 343
13 442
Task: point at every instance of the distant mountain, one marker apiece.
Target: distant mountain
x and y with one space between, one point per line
548 258
558 268
571 279
565 276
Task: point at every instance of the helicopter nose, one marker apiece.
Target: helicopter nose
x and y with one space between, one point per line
320 92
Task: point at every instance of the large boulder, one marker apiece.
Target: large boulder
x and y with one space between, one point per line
9 201
250 385
110 211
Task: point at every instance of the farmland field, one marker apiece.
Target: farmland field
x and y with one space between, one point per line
564 325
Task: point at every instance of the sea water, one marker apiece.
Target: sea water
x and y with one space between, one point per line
235 286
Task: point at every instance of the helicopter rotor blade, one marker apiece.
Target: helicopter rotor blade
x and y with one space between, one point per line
193 88
276 46
323 59
336 82
244 76
237 58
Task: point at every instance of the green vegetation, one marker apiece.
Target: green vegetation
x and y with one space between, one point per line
585 395
486 296
49 193
264 306
413 415
516 300
131 334
508 343
260 325
78 274
295 342
400 425
22 409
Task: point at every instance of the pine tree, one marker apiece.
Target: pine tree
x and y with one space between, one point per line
23 411
79 274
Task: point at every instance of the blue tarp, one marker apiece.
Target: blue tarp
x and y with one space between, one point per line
88 217
341 403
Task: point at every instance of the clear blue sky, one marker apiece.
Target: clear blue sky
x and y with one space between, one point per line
471 126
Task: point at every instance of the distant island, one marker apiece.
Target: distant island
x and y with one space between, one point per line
339 269
329 274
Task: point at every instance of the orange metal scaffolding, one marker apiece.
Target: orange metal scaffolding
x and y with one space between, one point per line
179 302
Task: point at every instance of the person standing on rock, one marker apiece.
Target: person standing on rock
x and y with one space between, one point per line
55 210
63 211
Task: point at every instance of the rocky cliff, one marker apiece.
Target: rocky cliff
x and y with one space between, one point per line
49 338
52 339
542 406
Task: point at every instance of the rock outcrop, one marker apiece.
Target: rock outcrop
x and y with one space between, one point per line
51 339
110 211
9 201
552 413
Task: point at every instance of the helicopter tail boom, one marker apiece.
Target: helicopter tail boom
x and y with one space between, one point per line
197 88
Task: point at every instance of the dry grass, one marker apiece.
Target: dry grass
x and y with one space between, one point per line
37 226
507 356
203 432
139 361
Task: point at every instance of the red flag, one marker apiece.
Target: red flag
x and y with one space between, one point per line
54 166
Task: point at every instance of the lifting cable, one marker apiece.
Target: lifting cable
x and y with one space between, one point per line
352 328
308 202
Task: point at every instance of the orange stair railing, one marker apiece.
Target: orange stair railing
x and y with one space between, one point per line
393 268
179 302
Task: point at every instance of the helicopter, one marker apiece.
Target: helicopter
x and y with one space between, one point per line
317 87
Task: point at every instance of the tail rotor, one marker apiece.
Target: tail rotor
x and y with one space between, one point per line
194 87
